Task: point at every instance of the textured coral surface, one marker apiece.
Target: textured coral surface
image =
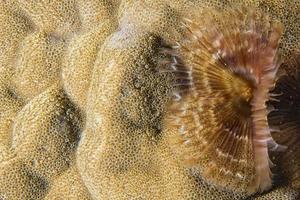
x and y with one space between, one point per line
82 103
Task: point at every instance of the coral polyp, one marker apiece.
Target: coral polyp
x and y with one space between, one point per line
286 118
223 71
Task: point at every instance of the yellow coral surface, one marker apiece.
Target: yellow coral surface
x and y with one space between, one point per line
82 103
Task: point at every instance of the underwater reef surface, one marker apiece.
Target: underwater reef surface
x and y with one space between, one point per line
83 103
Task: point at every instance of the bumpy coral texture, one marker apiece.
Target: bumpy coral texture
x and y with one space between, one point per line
82 103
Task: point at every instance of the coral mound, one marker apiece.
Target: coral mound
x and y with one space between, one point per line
82 101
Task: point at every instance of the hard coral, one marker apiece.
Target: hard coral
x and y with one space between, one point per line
82 102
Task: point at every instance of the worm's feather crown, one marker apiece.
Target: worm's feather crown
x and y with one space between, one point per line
286 117
224 69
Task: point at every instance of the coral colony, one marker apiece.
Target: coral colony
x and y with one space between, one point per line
152 99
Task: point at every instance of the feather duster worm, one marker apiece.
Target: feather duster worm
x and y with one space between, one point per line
223 71
286 119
